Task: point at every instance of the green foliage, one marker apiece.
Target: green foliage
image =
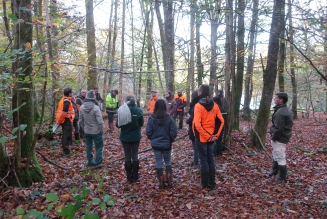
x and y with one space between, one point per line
71 208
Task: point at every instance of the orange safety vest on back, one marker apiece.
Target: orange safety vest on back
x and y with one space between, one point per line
151 104
179 101
61 115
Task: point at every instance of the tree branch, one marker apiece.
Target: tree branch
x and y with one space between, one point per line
46 159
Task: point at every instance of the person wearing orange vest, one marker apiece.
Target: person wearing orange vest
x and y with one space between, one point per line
152 102
65 116
207 125
180 104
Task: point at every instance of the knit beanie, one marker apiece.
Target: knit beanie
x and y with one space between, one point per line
90 95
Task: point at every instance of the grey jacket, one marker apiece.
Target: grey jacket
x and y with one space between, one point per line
282 122
90 118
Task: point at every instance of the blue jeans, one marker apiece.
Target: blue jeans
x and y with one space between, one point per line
196 153
98 141
131 150
206 156
166 156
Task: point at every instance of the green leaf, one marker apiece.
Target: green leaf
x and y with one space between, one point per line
13 18
20 211
14 130
92 216
32 212
106 198
103 206
50 206
3 139
12 137
96 200
64 212
22 127
111 203
52 197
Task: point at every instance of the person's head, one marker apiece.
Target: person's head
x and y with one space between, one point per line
204 90
179 93
96 89
83 92
217 100
131 99
114 92
168 94
160 109
280 98
153 93
194 94
68 92
90 95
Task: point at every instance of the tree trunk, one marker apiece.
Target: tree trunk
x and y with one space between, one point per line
240 65
27 173
190 75
293 76
199 64
91 48
269 76
122 55
248 88
281 57
149 76
114 40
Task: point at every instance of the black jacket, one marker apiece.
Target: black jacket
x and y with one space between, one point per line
282 122
189 121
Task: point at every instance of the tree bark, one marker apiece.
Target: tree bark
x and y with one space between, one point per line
122 55
270 73
281 57
248 88
240 64
91 48
199 64
190 75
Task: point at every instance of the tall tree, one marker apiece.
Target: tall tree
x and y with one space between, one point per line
248 87
292 70
281 57
91 48
199 64
23 98
269 75
240 64
122 54
114 40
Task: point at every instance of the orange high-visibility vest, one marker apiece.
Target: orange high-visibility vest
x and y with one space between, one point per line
151 104
61 115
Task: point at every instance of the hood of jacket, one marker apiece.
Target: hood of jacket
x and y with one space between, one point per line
207 103
196 100
88 106
279 106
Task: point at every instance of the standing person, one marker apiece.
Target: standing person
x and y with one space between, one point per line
111 108
65 116
218 147
152 102
189 121
280 131
98 98
162 131
75 122
91 122
180 104
207 125
130 120
79 101
171 104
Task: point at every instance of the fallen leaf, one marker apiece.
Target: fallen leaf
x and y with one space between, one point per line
189 205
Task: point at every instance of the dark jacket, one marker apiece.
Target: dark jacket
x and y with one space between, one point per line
131 132
282 122
218 100
161 132
189 121
79 99
76 110
171 105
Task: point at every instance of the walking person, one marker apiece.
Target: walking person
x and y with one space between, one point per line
91 122
152 102
111 108
280 132
218 147
130 120
65 116
207 125
171 103
162 131
79 101
180 104
195 99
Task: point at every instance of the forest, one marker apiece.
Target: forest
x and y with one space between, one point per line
248 49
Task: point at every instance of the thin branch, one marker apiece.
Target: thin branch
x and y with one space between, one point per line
46 159
259 139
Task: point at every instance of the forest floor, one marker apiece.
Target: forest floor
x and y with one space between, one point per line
242 190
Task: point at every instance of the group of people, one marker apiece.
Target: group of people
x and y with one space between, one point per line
206 119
